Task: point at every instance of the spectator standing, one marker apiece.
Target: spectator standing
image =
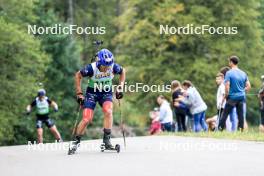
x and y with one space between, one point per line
179 107
197 106
236 85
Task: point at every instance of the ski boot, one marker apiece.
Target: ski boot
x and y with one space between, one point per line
106 145
74 145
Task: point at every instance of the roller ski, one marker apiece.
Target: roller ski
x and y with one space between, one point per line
106 145
73 146
116 147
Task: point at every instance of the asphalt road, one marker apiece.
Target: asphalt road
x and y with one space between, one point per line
143 156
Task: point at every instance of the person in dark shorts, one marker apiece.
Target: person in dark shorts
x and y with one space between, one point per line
42 104
99 89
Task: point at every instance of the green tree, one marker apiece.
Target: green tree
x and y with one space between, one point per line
22 65
65 61
158 59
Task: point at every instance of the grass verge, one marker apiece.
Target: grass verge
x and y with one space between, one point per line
252 134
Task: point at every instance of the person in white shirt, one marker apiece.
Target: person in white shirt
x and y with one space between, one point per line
165 114
220 104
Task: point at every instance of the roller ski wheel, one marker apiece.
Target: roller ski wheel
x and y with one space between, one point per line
71 151
111 148
102 147
117 148
73 148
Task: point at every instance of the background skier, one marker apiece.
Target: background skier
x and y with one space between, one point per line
42 104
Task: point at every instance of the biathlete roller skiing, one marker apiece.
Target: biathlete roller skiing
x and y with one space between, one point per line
100 75
42 104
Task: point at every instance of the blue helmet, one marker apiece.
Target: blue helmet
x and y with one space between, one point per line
41 92
105 58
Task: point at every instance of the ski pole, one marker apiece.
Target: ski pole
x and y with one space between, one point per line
121 122
76 121
75 127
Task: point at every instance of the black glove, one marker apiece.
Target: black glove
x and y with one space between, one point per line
119 94
27 113
80 98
